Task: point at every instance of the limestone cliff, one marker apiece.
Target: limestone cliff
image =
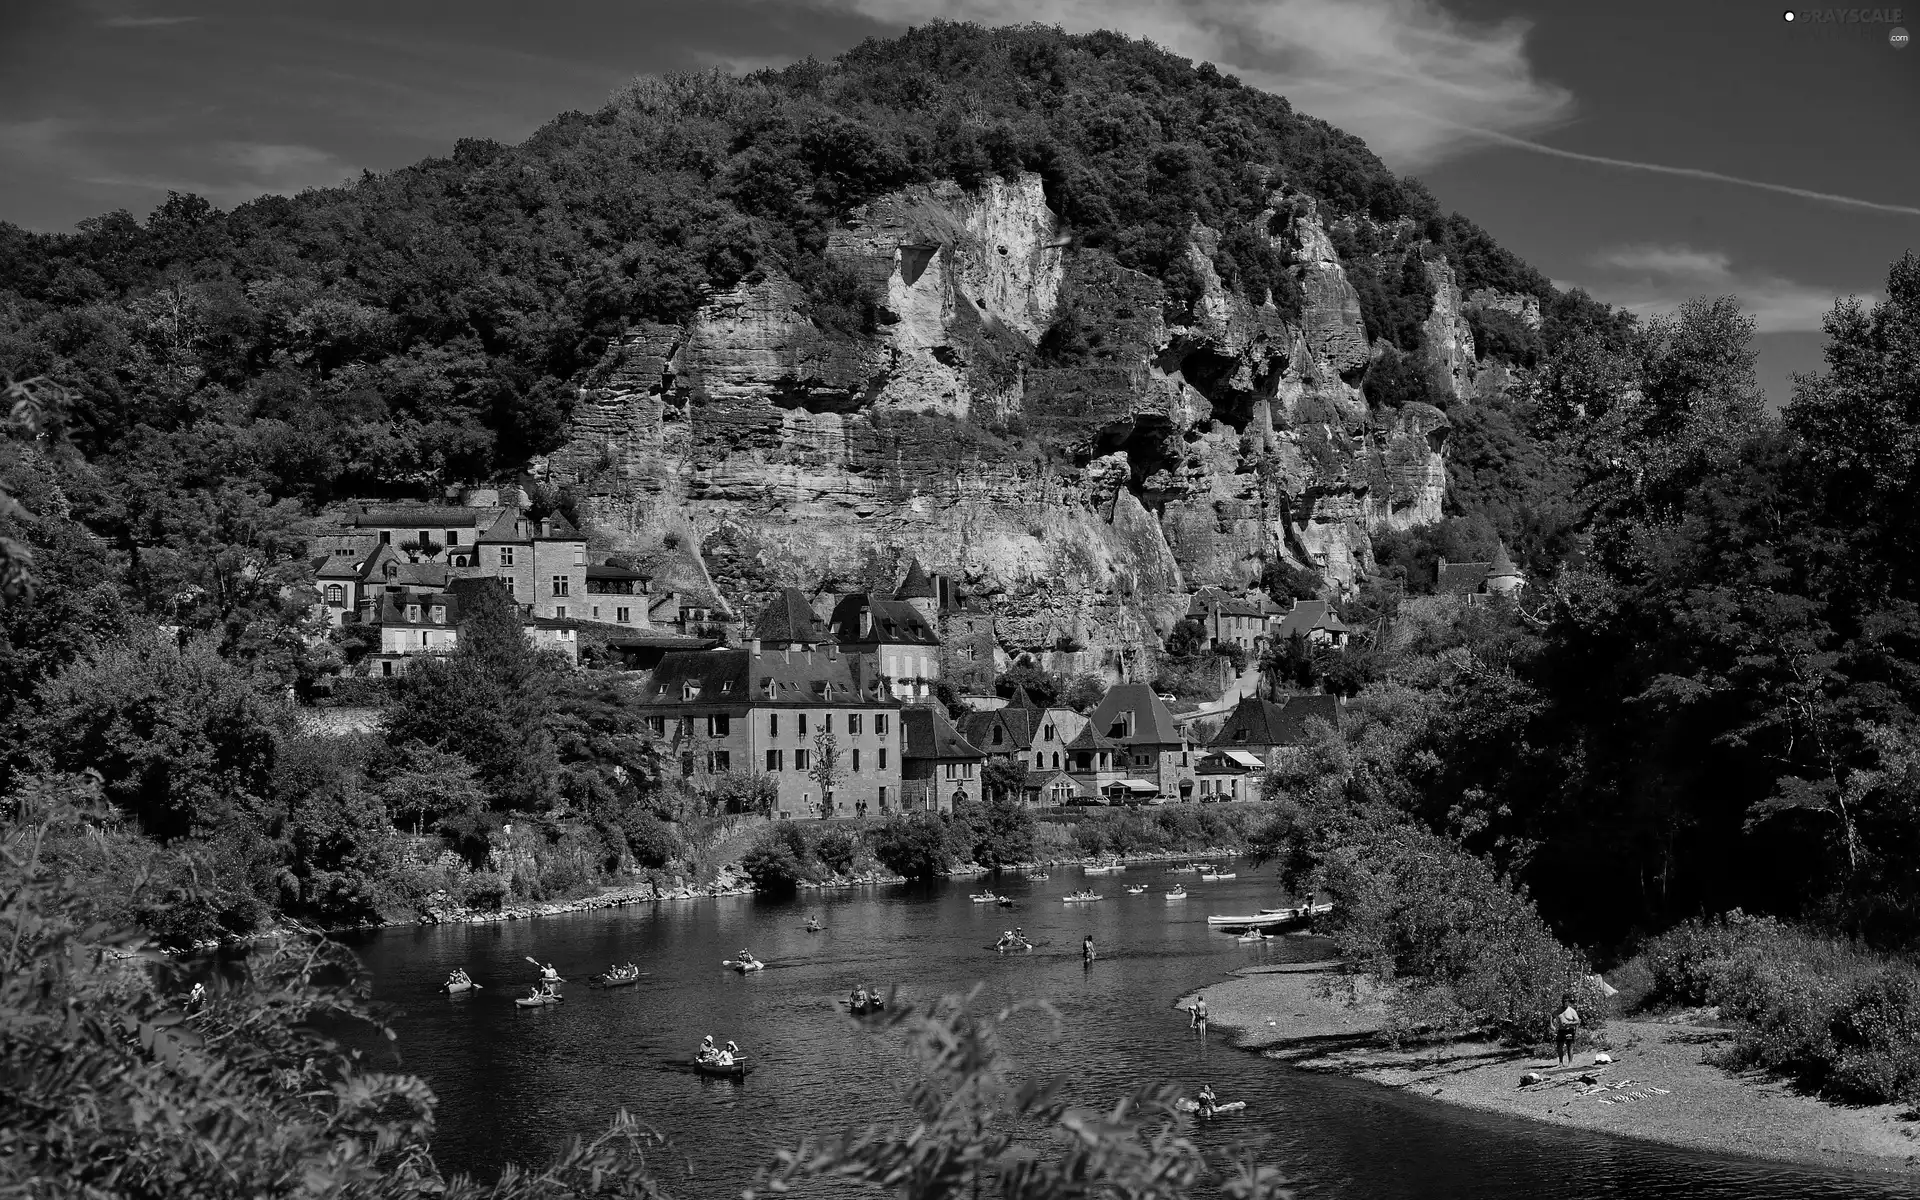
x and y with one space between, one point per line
1080 492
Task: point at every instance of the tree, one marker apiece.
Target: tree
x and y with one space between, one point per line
825 768
1004 779
914 845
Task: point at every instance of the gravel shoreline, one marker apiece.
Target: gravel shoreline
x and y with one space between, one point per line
1659 1088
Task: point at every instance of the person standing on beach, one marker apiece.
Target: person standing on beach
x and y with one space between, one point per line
1197 1015
1566 1023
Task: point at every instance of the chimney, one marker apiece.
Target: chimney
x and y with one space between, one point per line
753 644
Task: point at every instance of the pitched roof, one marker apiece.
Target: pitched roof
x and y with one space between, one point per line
917 585
505 528
894 622
743 677
1274 722
1308 615
609 571
335 566
1153 722
1460 579
927 733
1090 738
1502 563
1022 698
1015 725
788 617
1211 599
417 516
661 641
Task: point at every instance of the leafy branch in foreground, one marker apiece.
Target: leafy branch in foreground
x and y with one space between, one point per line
981 1132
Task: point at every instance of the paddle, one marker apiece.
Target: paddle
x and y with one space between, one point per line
536 962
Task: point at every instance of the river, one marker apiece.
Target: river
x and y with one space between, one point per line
515 1085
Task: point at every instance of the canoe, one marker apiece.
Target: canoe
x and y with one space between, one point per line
1079 898
1042 876
614 981
538 1001
1193 1106
1135 891
743 967
738 1070
1254 936
1013 949
454 989
988 898
1206 878
1177 894
871 1006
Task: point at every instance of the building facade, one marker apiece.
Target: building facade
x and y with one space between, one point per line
940 768
779 713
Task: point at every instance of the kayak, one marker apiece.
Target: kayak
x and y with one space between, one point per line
744 967
1193 1106
538 1001
738 1070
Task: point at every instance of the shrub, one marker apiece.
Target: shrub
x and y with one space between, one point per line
915 845
780 860
837 849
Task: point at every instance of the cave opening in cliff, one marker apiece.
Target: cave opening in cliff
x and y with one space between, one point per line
1154 453
1212 375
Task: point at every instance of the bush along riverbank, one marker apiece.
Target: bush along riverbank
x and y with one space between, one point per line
1664 1078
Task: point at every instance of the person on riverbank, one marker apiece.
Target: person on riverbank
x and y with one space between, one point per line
1566 1023
1197 1015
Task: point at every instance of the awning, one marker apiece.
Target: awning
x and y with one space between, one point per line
1134 785
1243 759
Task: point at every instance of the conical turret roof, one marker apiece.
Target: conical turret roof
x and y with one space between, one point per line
789 618
917 585
1502 563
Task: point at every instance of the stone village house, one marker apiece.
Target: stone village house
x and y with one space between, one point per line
1259 734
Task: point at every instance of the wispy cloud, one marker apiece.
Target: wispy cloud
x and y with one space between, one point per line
1360 64
1652 279
229 173
131 22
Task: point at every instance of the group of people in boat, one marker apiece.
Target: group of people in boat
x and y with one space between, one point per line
458 979
1013 939
549 984
862 998
710 1055
616 971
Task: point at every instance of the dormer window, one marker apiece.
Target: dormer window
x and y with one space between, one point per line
413 613
726 686
439 614
1239 735
997 739
866 622
689 691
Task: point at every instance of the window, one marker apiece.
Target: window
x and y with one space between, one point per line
826 723
1049 736
880 724
853 723
719 761
453 537
424 635
774 758
426 535
658 725
686 763
386 537
596 612
439 614
506 556
953 770
800 760
386 668
413 613
560 612
620 615
719 725
883 797
726 686
856 759
686 727
883 758
1039 760
1239 735
1056 760
773 724
336 594
997 739
689 691
800 724
560 585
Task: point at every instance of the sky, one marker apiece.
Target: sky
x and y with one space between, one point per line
1645 150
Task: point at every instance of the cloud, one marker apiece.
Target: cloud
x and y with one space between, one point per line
1651 279
1362 65
230 173
125 22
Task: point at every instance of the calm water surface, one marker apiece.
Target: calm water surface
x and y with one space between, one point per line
516 1085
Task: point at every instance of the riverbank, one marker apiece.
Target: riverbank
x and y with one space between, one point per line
1660 1086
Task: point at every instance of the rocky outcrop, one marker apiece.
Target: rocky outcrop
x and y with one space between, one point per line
1449 339
1526 309
1076 496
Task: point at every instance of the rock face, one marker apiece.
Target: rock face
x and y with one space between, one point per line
1077 495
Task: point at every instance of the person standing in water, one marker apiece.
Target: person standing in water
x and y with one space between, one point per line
1086 947
1197 1015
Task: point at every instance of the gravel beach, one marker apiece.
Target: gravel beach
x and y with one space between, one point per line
1659 1086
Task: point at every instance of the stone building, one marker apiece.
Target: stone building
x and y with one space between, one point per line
1269 730
775 713
1228 620
1147 753
940 768
1475 581
895 636
1315 621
